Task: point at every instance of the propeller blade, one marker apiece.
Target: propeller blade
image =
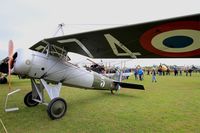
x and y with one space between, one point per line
10 48
129 85
10 55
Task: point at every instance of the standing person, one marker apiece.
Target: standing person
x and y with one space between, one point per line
180 71
148 72
168 71
175 71
186 71
153 75
160 71
140 72
190 72
136 73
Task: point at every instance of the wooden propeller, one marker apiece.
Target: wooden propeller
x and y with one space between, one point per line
10 61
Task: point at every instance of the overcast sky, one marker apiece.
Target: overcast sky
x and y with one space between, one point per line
28 21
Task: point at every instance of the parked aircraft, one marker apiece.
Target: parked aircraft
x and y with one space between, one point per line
195 68
48 62
125 73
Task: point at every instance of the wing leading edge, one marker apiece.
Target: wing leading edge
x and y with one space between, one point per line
172 38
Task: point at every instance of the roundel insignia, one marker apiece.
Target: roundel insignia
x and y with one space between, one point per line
176 39
102 83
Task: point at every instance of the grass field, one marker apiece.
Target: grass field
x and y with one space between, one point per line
172 105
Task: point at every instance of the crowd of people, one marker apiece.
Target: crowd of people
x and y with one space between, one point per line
160 71
139 74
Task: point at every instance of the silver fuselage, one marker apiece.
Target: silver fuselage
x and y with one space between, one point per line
53 69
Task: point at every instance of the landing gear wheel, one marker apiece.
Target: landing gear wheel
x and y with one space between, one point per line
57 108
29 101
113 92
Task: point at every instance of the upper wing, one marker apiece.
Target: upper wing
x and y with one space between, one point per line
177 37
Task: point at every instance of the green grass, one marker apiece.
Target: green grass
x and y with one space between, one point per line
170 105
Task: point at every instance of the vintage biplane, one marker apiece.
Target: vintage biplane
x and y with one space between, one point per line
47 62
111 72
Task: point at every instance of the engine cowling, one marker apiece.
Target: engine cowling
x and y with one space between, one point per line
22 63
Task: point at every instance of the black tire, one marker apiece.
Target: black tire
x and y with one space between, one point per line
113 92
28 101
3 80
57 108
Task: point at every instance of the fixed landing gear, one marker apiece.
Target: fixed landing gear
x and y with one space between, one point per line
112 92
28 100
57 108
